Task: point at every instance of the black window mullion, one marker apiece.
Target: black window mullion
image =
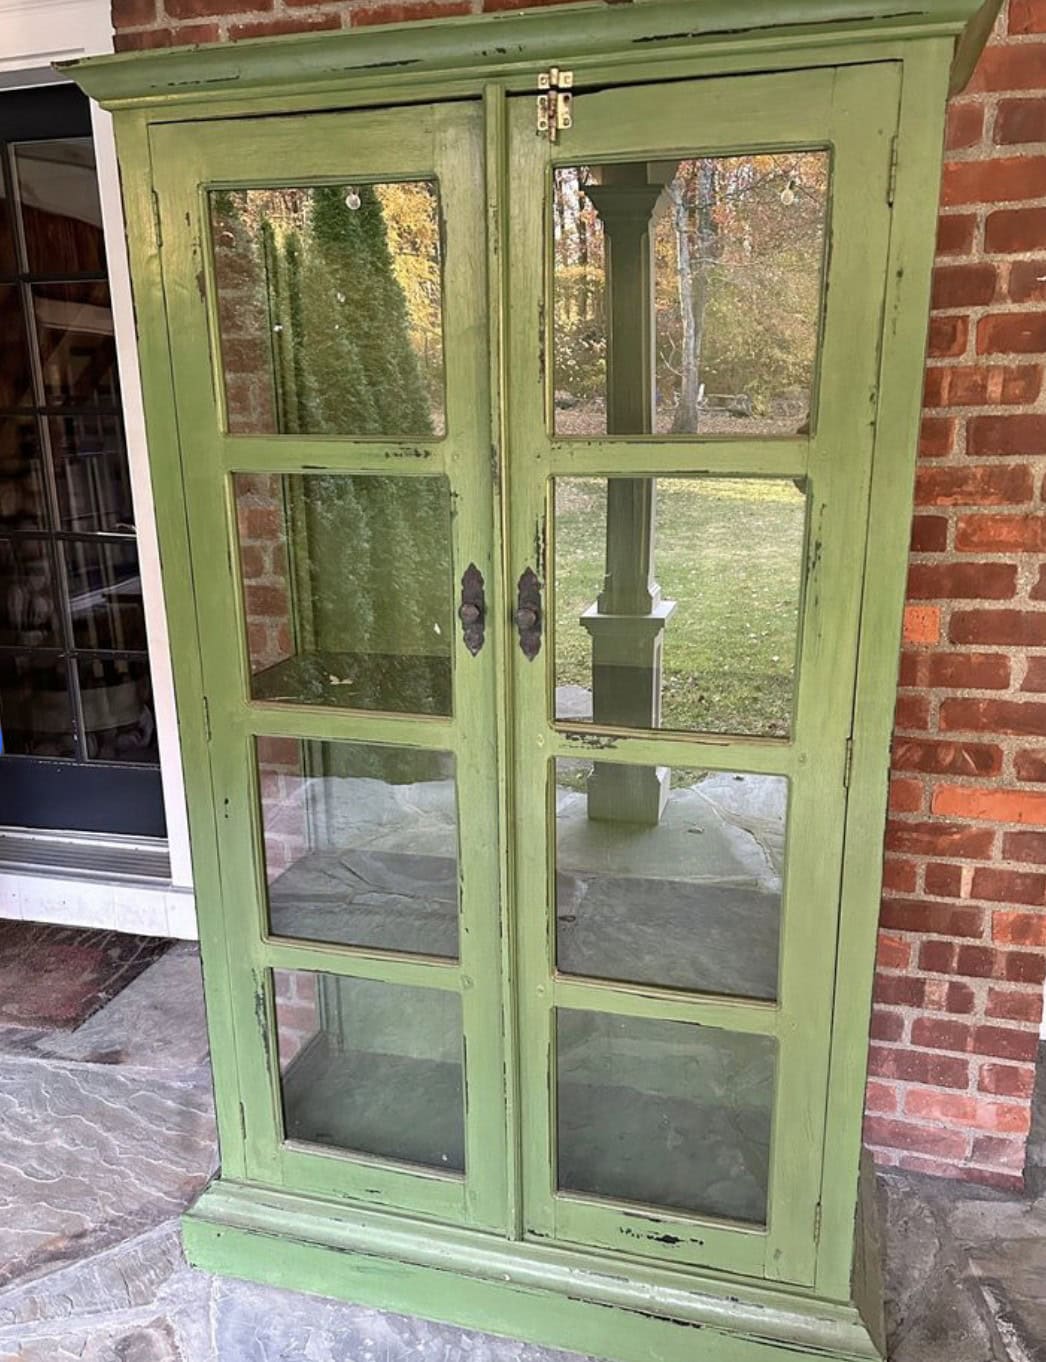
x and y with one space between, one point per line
103 409
75 536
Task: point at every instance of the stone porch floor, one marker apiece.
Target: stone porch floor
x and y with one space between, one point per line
106 1134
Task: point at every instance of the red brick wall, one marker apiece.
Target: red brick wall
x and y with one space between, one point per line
163 23
963 944
297 1012
962 958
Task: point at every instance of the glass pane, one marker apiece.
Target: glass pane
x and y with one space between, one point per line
35 715
372 1067
688 294
16 381
664 1113
61 214
74 324
105 595
330 309
28 610
117 699
677 602
690 899
360 844
347 590
91 475
23 498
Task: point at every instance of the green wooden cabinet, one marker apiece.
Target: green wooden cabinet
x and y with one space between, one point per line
534 514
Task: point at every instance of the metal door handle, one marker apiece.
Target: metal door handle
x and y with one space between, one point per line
473 609
529 613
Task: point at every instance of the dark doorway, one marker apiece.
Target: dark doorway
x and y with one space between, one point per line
76 707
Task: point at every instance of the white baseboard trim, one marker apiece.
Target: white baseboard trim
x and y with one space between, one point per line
143 907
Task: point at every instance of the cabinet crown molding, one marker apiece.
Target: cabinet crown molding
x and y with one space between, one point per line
591 37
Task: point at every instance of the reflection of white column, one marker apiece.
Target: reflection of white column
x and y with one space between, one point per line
627 622
626 692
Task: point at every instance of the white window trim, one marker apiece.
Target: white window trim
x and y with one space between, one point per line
28 29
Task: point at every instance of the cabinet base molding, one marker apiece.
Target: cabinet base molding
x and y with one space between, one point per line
625 1311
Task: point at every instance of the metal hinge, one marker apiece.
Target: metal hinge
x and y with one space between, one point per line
156 218
817 1223
848 761
891 184
207 717
555 102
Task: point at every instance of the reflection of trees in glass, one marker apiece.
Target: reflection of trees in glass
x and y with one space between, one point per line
352 354
738 255
355 349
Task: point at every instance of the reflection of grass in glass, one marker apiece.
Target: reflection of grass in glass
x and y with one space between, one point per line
729 553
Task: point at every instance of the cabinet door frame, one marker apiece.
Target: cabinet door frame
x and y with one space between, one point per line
853 111
442 142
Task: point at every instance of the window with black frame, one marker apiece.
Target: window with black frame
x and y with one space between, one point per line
76 705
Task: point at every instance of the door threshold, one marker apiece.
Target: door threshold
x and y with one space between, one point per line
90 855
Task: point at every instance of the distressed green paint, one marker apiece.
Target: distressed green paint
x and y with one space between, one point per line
853 111
502 642
497 1249
161 417
444 141
903 349
595 38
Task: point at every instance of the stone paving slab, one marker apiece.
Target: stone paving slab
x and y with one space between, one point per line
181 1334
151 1342
965 1272
157 1022
178 1334
91 1155
131 1276
138 1302
1011 1272
262 1324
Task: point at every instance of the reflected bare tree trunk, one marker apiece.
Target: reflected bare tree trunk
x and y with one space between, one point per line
693 197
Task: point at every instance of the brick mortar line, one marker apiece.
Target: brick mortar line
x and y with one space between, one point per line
910 1013
991 905
976 1059
979 984
983 153
974 1015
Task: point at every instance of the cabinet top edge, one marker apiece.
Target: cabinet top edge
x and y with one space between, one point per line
506 47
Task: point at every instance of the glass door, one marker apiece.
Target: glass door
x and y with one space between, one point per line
77 719
696 305
330 372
